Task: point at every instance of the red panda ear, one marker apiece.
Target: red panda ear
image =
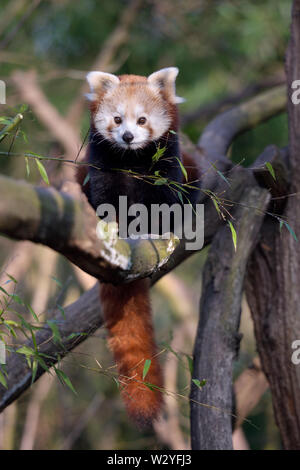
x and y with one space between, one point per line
164 80
100 82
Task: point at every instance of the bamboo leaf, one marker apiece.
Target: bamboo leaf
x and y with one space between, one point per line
190 364
290 230
161 181
158 154
42 171
233 233
64 379
271 170
86 179
3 380
199 383
184 172
146 367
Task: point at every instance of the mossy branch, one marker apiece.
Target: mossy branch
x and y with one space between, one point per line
64 221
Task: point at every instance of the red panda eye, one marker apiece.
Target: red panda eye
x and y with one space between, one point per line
141 121
117 120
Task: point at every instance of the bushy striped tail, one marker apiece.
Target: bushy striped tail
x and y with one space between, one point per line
127 314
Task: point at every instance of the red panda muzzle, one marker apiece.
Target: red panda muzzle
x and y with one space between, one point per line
127 314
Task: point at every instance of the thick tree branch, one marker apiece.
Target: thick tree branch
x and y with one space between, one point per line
68 225
207 111
217 339
219 134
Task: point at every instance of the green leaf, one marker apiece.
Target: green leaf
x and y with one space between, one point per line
4 291
86 179
24 136
17 299
221 174
75 335
34 370
190 364
41 362
161 181
12 322
117 382
34 341
10 329
280 224
23 108
34 154
25 350
12 278
158 154
5 121
180 197
32 312
55 331
3 380
233 233
216 205
27 167
199 383
42 171
290 230
64 379
61 311
146 367
223 177
182 168
271 170
57 281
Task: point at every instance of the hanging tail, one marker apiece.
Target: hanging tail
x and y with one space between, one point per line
127 314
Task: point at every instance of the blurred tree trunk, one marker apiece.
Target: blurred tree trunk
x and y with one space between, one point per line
273 284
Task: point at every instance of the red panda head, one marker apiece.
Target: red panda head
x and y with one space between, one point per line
131 111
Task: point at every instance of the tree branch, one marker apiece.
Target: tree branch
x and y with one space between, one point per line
217 339
220 132
207 111
68 225
83 316
31 93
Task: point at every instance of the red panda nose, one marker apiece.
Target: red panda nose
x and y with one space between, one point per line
127 137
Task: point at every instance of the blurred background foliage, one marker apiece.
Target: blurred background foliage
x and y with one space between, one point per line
221 48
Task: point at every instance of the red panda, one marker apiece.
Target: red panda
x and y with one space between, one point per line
131 117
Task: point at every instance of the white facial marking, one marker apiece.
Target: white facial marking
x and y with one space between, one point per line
121 105
129 111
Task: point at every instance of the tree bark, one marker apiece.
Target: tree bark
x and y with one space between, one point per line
217 339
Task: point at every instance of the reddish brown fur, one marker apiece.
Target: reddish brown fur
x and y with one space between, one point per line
127 314
132 82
